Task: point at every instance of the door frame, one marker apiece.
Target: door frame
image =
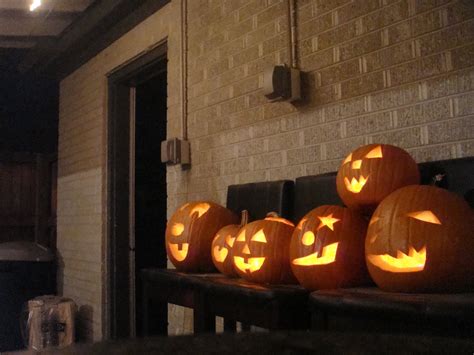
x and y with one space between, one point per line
121 83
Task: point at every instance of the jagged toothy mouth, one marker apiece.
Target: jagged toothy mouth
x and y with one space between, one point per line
252 264
355 185
413 262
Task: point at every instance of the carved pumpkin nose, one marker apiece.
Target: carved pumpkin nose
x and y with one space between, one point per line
356 164
246 249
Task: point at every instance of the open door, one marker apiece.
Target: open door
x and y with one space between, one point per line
136 194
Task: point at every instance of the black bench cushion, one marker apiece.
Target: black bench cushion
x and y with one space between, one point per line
262 197
457 176
314 191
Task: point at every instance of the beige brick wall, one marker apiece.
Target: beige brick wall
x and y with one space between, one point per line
82 166
388 71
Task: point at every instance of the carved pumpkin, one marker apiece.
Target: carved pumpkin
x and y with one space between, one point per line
190 231
421 239
222 244
327 249
372 172
261 251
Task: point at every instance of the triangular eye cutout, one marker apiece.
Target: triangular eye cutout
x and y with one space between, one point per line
230 240
375 153
425 216
241 236
348 159
259 237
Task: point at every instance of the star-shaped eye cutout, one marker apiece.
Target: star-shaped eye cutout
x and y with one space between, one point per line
327 221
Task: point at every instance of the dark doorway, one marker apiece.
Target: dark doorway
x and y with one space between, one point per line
150 180
136 185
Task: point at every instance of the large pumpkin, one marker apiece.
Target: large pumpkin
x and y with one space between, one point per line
221 249
261 251
327 249
190 231
420 239
370 173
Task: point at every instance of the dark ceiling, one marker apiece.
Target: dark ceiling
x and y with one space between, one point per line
23 32
60 35
38 48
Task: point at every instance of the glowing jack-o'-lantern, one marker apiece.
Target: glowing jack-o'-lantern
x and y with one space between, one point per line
327 248
261 251
190 231
222 246
372 172
420 239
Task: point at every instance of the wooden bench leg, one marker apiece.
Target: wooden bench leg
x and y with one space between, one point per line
204 320
245 327
319 321
230 325
154 316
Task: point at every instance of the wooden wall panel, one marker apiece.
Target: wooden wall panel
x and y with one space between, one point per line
27 198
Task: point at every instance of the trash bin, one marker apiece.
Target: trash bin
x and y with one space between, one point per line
27 270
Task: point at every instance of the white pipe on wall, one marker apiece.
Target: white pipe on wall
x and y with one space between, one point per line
292 32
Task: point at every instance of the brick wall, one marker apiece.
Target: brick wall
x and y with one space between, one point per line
82 167
387 71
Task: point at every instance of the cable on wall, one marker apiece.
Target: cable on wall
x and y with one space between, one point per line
291 12
184 70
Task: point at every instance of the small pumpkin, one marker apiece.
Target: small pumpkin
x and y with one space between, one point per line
420 239
190 231
327 249
371 172
222 244
261 251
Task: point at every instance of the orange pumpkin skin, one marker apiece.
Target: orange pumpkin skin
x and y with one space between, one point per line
221 250
261 251
190 231
337 235
421 239
371 172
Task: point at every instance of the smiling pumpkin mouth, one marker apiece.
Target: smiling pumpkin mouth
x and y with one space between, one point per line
413 262
355 185
252 264
179 251
328 256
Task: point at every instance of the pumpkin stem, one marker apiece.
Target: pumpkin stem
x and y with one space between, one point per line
273 214
245 218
